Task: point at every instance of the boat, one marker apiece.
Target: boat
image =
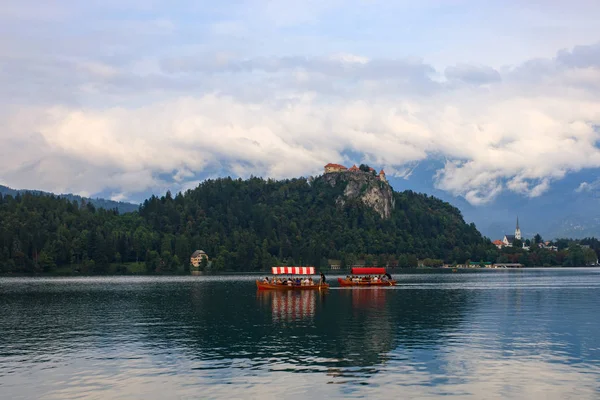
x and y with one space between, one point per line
367 271
321 285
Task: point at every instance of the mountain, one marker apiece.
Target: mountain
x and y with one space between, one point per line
569 208
243 225
123 207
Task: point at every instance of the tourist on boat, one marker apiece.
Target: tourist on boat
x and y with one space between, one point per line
266 280
310 281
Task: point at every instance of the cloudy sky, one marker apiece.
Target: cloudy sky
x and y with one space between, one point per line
125 98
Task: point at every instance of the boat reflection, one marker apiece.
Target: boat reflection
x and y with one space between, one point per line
287 306
371 297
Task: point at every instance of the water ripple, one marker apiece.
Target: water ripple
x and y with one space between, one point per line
492 334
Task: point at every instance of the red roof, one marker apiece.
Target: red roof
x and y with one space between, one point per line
367 271
498 242
371 169
381 172
335 165
354 168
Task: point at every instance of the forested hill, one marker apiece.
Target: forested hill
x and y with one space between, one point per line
122 206
241 224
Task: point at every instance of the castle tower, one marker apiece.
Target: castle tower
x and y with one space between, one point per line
518 231
382 176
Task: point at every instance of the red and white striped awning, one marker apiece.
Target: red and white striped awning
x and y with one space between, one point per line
293 270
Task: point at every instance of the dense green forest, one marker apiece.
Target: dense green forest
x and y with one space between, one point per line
243 225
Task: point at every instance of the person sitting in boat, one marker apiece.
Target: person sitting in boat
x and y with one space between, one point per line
266 280
289 281
375 279
310 281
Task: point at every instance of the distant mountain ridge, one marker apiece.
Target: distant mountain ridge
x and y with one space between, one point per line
121 206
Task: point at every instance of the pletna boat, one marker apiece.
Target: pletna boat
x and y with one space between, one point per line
367 278
291 283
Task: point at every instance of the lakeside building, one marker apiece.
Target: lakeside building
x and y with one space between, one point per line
197 257
548 246
508 240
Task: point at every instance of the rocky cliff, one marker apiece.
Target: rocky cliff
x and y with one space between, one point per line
365 187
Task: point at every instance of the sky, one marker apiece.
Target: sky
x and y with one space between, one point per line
126 98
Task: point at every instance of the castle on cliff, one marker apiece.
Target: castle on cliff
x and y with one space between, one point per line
333 168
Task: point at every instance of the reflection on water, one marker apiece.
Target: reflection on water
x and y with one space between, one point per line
497 334
289 305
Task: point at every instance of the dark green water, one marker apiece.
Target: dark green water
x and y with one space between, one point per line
491 334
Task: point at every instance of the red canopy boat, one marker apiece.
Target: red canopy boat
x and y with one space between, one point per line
288 283
373 280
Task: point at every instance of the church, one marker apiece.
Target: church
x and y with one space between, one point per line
508 240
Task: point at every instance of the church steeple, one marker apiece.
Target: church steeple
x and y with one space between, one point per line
518 230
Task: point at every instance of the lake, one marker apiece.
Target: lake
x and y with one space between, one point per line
518 334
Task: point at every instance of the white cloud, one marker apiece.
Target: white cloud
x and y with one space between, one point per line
106 111
475 74
588 186
497 140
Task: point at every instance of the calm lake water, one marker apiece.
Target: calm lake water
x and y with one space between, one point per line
489 334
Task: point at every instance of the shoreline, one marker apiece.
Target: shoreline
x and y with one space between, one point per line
267 273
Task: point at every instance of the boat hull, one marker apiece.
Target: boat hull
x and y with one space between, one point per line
346 283
267 286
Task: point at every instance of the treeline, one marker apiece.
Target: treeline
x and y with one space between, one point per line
568 253
243 225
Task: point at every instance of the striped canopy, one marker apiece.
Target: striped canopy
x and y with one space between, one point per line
293 270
